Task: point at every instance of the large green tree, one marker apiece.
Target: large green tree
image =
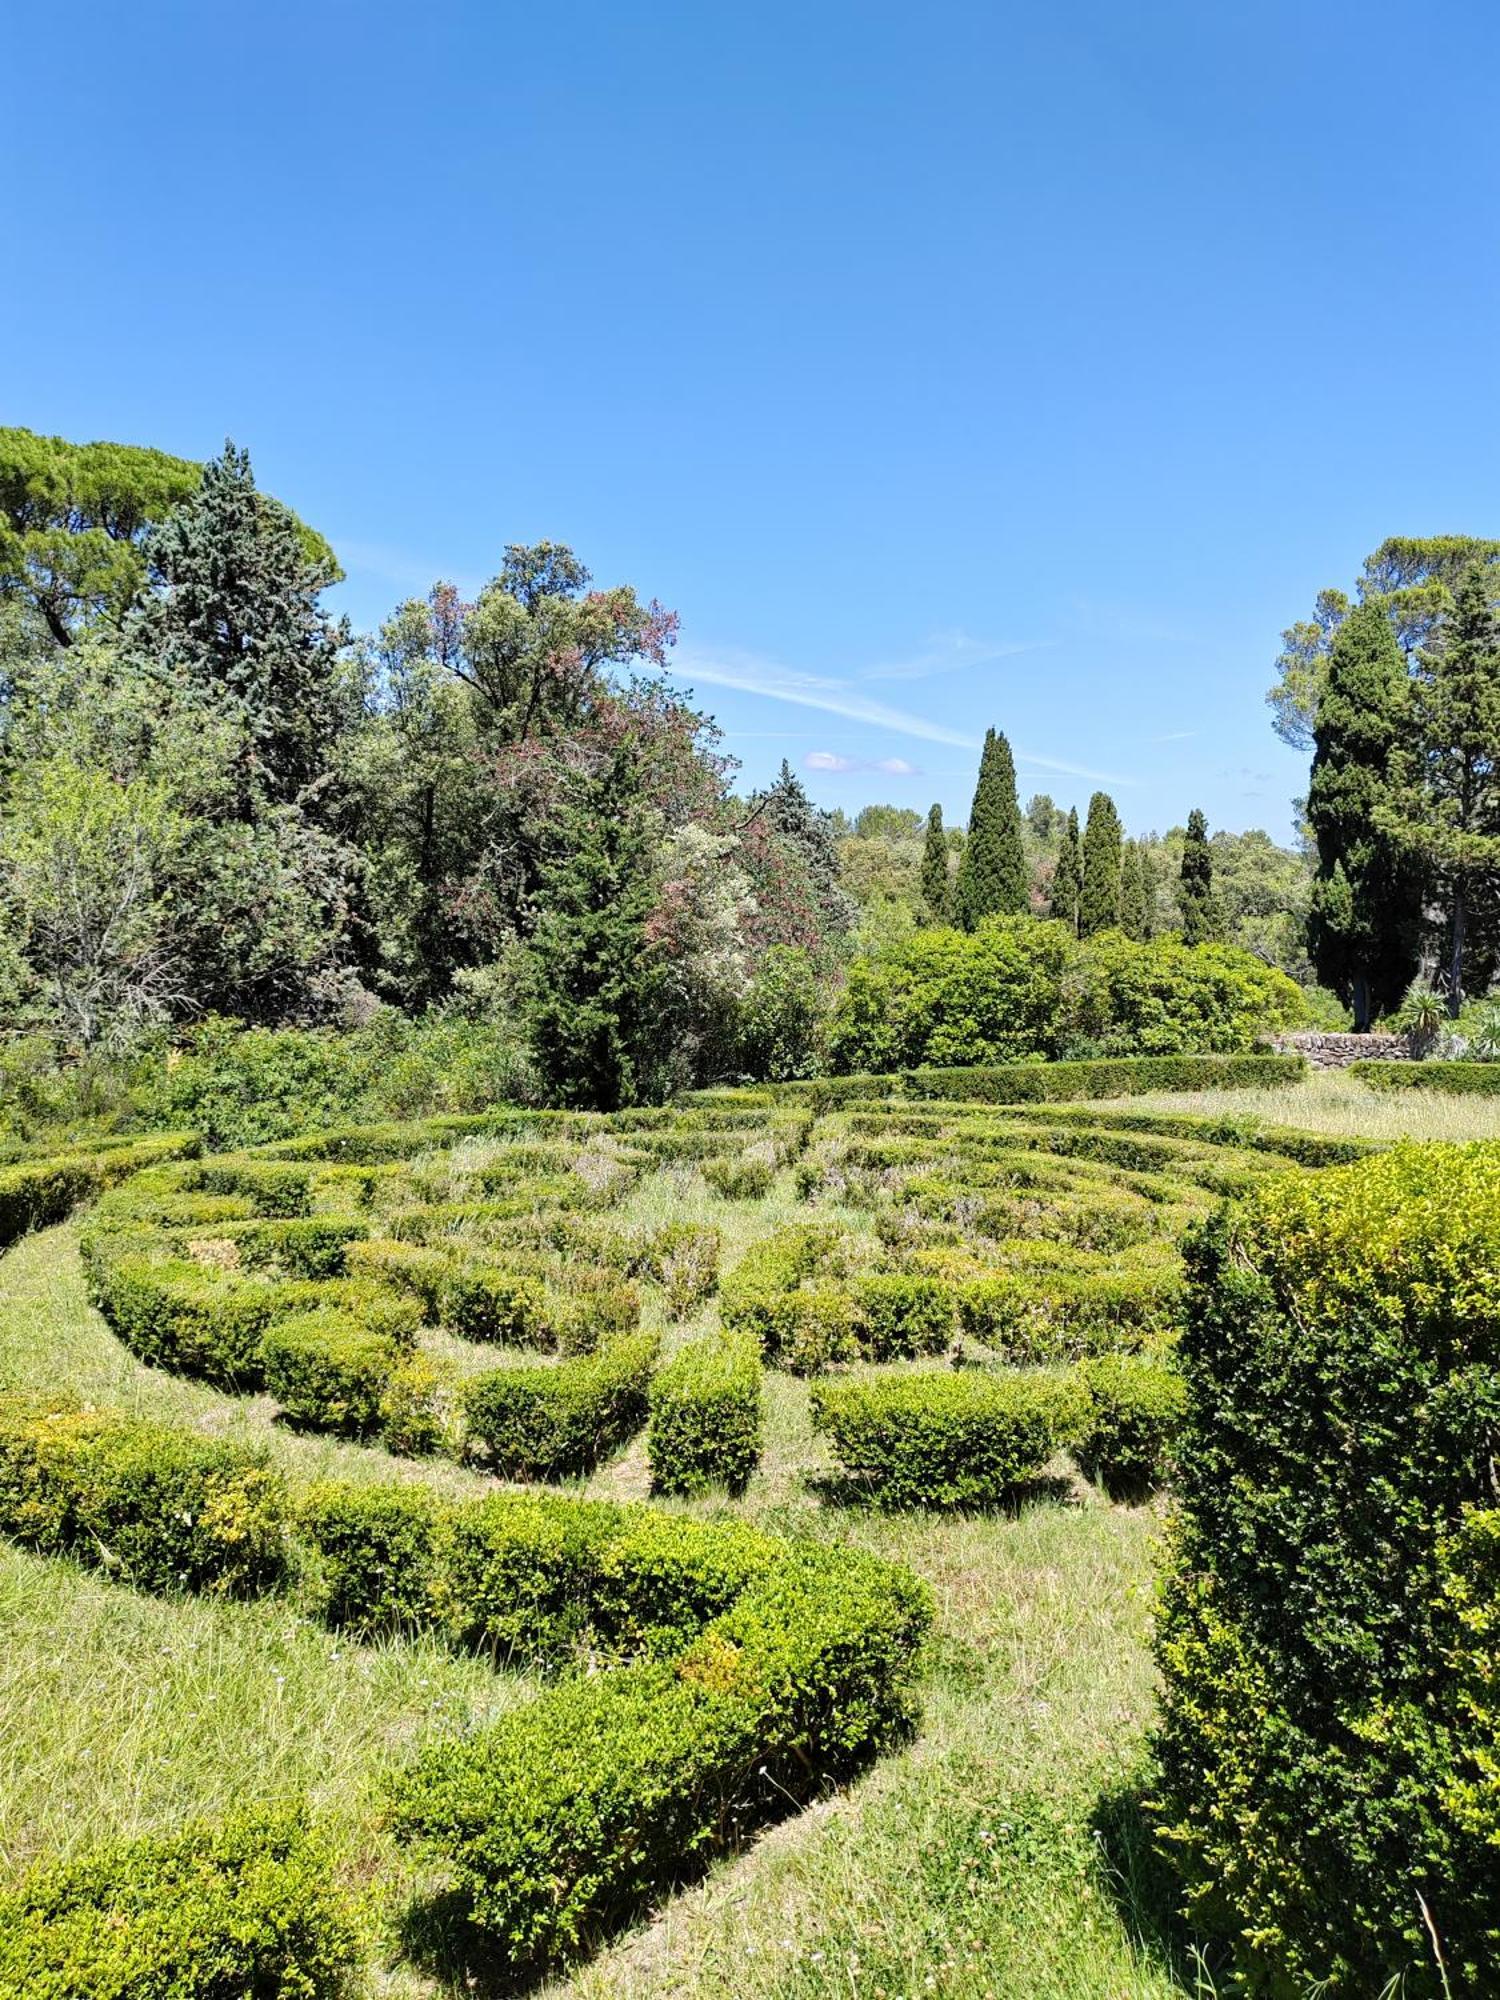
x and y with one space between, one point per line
1411 578
1133 909
1197 899
1103 842
935 868
1444 805
75 519
992 874
1364 926
237 619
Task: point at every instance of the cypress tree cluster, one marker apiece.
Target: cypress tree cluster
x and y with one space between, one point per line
1197 899
935 868
992 878
1099 900
1067 877
1134 920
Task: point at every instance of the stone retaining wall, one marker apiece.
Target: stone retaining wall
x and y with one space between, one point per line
1338 1051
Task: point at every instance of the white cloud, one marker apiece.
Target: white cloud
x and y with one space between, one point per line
751 675
945 652
833 760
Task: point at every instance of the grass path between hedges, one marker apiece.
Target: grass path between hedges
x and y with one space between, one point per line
966 1864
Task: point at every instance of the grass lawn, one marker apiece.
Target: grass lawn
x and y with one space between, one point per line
996 1855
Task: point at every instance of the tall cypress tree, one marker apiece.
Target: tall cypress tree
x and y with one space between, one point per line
1067 877
1445 806
1197 899
992 870
935 868
1364 926
1133 891
1099 900
595 986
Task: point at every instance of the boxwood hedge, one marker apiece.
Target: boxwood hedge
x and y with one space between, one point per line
1323 1721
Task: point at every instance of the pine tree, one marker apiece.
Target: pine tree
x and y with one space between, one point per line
596 988
1067 877
992 870
1099 900
935 868
809 831
1197 899
1132 891
240 623
1445 803
1364 926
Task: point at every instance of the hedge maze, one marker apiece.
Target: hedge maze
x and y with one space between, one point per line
975 1287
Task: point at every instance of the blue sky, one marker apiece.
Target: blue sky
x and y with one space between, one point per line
943 366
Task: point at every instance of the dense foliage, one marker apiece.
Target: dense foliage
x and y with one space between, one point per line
1327 1740
1019 988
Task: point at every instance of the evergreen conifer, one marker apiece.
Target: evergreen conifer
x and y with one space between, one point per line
992 876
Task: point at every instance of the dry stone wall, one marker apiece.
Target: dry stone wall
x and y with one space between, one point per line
1338 1051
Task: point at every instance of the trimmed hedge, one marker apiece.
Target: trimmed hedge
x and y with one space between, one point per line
329 1370
569 1815
705 1416
35 1194
1063 1314
758 1671
1136 1408
548 1422
1038 1082
948 1439
158 1507
1456 1079
1320 1726
209 1912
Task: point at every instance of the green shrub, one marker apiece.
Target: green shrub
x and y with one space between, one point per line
901 1316
372 1555
705 1416
209 1912
947 1439
34 1194
478 1302
738 1180
546 1422
1121 1076
683 1258
1136 1412
1062 1314
409 1267
421 1406
328 1370
1342 1357
308 1246
569 1814
1457 1079
157 1507
519 1572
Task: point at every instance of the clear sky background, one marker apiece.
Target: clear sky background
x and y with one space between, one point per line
943 365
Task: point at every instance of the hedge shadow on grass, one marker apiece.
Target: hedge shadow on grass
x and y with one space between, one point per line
837 1489
1135 1876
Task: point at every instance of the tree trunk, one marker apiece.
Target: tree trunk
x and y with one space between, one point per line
1359 1002
1456 957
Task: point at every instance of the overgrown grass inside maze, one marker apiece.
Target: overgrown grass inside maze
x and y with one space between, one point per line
356 1444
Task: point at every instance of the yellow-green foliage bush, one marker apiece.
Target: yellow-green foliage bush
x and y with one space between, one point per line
1320 1726
248 1906
155 1506
36 1193
1060 1314
705 1408
948 1438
